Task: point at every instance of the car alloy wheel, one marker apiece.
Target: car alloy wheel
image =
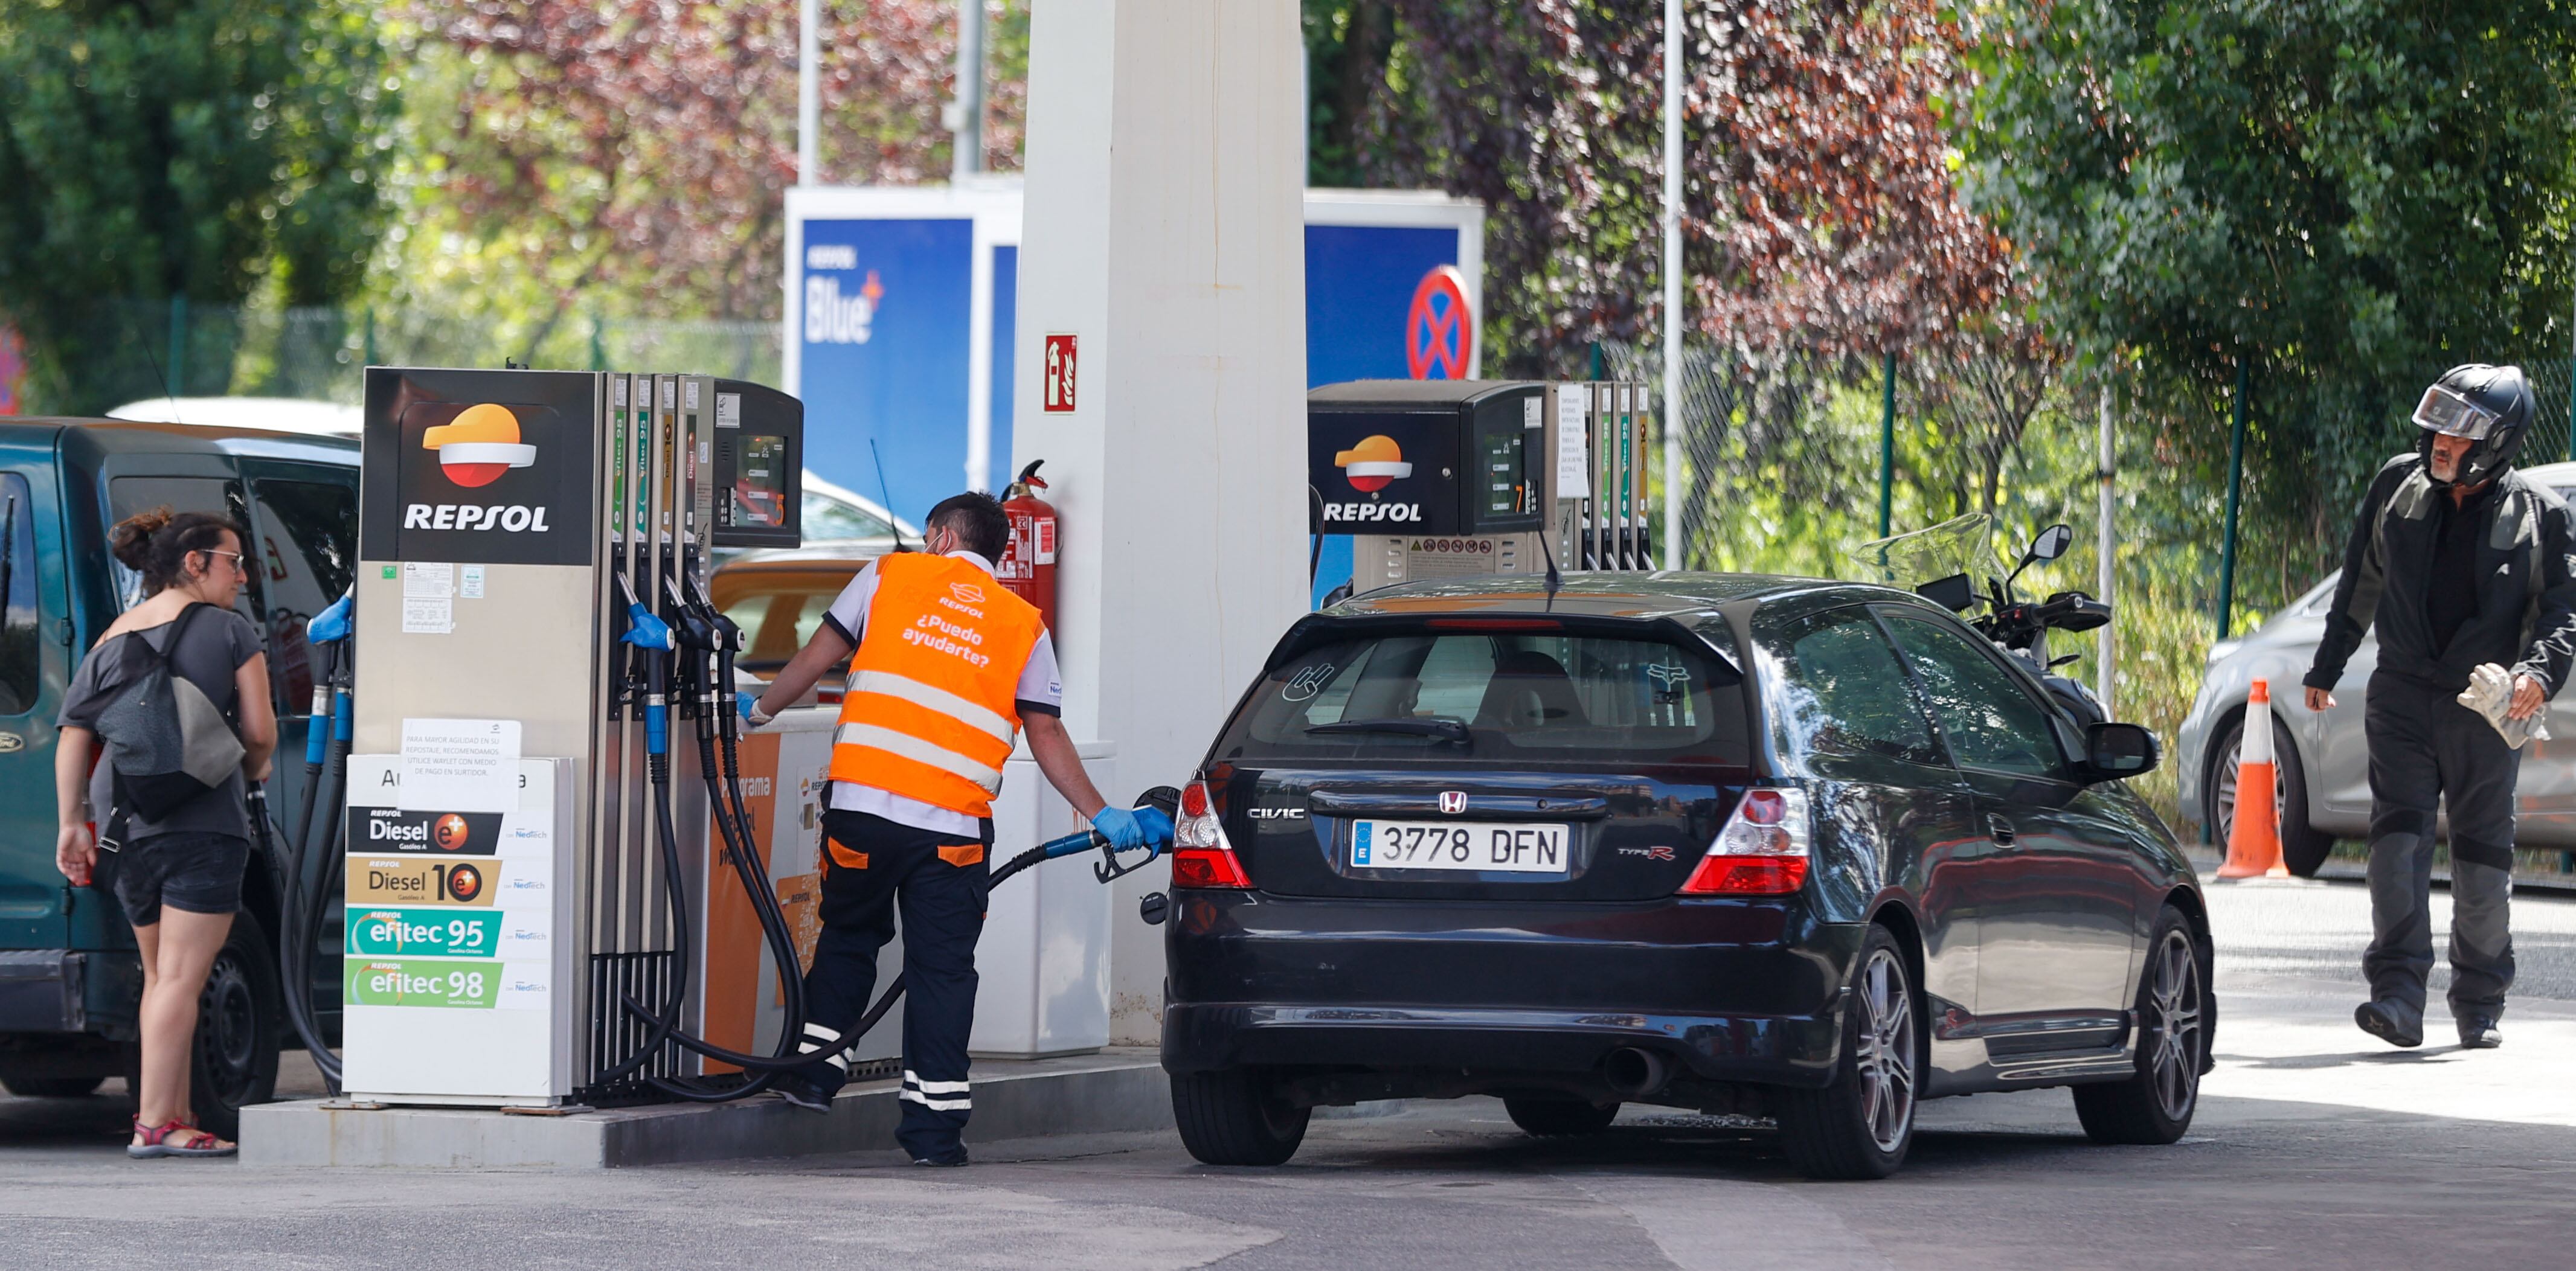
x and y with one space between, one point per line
1861 1124
1884 1061
2170 1031
2154 1103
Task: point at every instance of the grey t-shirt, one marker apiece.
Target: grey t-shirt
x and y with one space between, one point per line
217 644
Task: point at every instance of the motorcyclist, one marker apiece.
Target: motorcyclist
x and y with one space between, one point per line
2459 561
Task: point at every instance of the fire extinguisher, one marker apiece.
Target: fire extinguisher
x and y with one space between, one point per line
1027 566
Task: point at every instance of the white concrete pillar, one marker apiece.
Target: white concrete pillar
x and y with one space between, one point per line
1164 231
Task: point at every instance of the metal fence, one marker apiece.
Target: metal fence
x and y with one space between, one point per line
135 349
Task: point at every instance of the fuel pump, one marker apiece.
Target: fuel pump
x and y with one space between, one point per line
535 773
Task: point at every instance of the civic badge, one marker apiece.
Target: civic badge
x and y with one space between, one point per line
1453 802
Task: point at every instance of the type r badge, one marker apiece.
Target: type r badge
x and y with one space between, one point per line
1453 802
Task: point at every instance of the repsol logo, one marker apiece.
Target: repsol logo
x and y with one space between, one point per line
513 518
1355 512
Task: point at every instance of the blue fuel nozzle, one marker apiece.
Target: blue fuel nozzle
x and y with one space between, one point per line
331 625
645 631
657 726
343 715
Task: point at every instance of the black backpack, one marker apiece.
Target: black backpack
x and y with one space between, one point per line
166 741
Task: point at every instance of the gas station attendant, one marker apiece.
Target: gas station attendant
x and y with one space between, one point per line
950 667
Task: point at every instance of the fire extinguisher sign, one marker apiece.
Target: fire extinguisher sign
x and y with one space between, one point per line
1059 372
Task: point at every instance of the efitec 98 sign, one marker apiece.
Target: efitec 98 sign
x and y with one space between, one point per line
493 466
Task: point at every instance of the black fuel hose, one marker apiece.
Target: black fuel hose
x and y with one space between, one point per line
656 642
714 633
1070 844
319 837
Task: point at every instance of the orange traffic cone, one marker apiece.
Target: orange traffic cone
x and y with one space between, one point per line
2254 838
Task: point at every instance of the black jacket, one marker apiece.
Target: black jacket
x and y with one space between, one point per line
2526 560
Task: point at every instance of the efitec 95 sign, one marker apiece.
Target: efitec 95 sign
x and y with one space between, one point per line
492 466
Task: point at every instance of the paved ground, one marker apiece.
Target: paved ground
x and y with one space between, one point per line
2316 1147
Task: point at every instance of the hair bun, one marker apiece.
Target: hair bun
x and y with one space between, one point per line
131 540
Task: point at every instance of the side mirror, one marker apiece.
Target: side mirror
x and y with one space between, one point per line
2051 544
1954 593
2117 751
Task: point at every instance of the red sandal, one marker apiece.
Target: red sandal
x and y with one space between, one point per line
155 1141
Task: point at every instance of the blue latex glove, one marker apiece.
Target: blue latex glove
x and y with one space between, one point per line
1158 827
1120 826
331 625
746 703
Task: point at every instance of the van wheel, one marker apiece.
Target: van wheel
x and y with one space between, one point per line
52 1087
2303 847
1548 1118
1236 1117
240 1014
1862 1124
2154 1106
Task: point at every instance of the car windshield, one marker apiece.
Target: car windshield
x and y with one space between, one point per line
1481 696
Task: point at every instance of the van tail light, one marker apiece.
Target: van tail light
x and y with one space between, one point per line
1761 852
1200 855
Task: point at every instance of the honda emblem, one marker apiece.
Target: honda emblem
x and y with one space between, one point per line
1453 802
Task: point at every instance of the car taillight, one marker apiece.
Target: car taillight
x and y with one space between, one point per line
1200 855
1761 852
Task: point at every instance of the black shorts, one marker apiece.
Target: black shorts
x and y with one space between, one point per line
192 870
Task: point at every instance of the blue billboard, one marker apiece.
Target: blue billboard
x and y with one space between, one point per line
887 324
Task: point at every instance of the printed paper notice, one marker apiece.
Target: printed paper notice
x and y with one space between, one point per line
1573 444
428 617
423 580
459 765
728 410
470 583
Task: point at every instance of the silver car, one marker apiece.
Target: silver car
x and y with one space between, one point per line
2324 766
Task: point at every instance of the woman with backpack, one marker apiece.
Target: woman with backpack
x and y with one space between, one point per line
182 846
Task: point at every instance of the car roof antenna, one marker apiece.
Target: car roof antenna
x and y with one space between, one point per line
893 522
1555 580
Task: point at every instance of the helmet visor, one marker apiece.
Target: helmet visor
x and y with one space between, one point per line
2447 412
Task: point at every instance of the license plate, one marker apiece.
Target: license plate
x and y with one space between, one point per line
1459 845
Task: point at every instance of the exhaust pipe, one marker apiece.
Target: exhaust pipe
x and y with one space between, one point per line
1634 1073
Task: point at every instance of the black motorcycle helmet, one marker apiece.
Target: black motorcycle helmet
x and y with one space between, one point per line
2490 405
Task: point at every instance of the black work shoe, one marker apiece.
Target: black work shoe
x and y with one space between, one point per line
799 1091
2477 1032
2390 1022
951 1161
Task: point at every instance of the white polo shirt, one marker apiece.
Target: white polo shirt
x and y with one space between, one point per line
1040 692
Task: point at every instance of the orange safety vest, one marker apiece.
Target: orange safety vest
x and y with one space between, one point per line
931 710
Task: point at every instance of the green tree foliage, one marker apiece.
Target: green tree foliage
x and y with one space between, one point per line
210 149
576 156
2350 195
1819 213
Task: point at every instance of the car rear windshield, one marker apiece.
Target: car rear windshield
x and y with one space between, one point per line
1450 696
778 611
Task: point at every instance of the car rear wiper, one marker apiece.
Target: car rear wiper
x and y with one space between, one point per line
1444 729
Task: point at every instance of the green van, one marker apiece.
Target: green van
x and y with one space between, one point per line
69 975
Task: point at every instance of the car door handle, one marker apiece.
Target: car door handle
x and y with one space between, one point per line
2001 828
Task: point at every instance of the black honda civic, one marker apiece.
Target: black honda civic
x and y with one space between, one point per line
1805 850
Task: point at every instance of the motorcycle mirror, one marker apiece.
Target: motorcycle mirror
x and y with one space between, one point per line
2051 544
1954 593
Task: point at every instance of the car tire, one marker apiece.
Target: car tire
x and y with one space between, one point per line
2155 1105
53 1087
1236 1116
2303 847
241 1016
1861 1125
1557 1118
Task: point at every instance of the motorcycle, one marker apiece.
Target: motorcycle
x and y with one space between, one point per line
1952 553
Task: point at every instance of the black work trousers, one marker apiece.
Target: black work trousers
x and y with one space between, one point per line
2426 752
940 881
